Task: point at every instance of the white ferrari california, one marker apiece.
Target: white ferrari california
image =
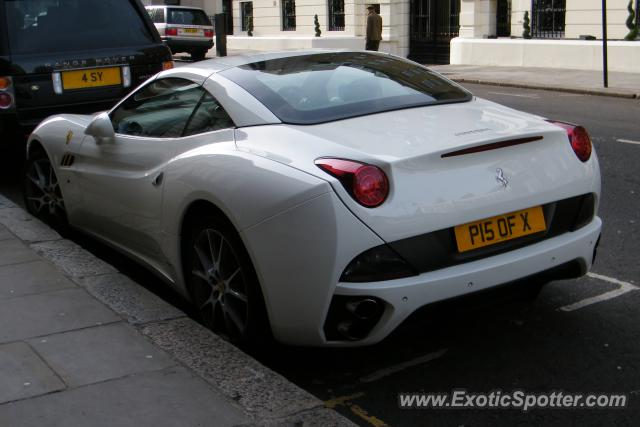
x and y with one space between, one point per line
321 197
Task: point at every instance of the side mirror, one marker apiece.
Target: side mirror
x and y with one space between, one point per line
101 128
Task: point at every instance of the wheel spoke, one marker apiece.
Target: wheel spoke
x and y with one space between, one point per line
51 175
233 275
36 182
238 295
204 261
41 176
219 259
208 301
211 251
231 315
200 274
37 200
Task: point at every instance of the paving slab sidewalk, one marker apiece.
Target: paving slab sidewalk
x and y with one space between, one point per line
83 345
623 85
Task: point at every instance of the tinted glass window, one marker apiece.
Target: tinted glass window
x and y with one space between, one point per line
157 15
161 109
188 17
209 116
40 26
332 86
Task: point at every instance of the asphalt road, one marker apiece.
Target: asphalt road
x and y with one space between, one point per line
508 346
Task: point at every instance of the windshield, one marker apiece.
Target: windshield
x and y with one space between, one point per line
42 26
323 87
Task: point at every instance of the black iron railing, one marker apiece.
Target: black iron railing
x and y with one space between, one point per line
336 15
435 20
288 15
246 13
548 19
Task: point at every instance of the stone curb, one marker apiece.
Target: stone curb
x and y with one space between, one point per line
266 396
596 92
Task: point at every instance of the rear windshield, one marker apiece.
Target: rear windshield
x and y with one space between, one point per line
323 87
42 26
188 17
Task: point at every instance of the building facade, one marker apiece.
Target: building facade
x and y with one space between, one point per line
485 32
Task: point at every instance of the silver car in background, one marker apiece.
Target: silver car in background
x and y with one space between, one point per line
183 29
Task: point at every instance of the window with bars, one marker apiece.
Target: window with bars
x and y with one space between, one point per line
288 15
548 18
336 15
246 13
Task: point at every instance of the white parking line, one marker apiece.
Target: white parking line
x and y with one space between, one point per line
623 288
516 95
374 376
628 141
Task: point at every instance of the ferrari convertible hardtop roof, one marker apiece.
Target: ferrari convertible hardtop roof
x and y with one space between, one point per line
220 64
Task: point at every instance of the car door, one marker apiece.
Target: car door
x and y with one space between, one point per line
122 180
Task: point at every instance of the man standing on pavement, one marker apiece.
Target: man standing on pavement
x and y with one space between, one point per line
374 29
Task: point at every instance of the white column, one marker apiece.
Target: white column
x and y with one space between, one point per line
518 8
477 18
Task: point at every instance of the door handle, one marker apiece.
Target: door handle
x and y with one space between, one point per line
158 181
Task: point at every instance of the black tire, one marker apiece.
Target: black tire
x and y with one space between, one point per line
42 194
223 284
198 54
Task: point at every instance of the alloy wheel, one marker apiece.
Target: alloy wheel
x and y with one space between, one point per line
220 289
42 192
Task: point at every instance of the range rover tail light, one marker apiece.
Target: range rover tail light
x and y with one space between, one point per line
6 93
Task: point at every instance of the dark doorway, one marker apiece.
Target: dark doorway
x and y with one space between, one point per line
227 9
433 23
503 18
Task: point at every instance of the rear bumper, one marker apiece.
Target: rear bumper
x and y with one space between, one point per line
404 296
316 241
184 45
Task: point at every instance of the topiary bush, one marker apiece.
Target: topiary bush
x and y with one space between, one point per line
250 26
316 23
526 25
631 23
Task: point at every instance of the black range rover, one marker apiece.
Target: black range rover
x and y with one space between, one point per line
71 56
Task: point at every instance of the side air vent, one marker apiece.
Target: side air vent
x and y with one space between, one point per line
67 160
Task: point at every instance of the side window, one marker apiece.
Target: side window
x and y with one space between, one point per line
209 116
157 15
161 109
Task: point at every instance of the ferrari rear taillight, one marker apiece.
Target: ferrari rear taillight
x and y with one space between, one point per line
578 138
367 184
171 31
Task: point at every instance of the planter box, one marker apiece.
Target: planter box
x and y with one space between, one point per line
572 54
